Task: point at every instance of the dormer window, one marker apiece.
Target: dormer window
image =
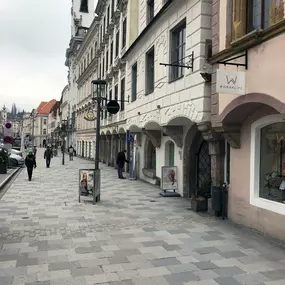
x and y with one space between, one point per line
84 6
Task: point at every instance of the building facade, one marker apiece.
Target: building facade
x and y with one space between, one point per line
88 69
251 122
169 107
53 122
40 124
82 17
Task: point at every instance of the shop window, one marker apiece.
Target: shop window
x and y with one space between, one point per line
249 15
267 170
272 162
169 153
150 155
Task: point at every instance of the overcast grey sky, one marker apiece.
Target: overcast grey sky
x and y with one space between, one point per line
34 35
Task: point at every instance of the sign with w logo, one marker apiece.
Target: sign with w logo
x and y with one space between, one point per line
230 82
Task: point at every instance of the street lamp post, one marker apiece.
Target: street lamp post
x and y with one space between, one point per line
63 129
98 88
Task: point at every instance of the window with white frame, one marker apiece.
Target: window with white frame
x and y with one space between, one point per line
122 94
177 50
150 10
149 82
111 53
267 189
124 34
117 43
134 81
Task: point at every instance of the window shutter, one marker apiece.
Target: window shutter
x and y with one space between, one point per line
239 18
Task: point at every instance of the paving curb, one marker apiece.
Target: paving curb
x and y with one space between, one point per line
9 177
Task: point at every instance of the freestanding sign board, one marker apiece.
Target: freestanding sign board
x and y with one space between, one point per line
169 178
86 183
169 181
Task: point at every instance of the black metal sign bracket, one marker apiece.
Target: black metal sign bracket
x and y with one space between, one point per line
188 65
245 64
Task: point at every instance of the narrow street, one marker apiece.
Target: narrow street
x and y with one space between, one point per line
132 237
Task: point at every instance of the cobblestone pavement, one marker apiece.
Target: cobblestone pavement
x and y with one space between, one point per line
132 237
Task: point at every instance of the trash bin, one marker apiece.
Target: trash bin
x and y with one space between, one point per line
217 198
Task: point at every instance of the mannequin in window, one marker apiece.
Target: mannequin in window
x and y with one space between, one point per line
84 6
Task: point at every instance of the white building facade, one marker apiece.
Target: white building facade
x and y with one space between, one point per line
87 60
170 106
82 17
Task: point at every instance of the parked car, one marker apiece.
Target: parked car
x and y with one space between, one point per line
20 160
15 151
12 162
15 158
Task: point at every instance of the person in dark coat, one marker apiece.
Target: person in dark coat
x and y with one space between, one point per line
30 162
121 159
48 156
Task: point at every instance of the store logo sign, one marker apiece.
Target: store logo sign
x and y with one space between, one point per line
90 116
230 82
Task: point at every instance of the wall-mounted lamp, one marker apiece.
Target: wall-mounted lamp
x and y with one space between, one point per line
158 107
139 113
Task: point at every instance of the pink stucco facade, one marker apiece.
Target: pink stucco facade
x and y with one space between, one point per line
265 96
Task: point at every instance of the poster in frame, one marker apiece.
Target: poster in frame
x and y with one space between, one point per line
169 178
86 182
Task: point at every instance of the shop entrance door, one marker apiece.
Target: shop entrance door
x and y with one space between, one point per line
203 177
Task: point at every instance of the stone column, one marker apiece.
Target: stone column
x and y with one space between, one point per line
103 152
115 148
109 149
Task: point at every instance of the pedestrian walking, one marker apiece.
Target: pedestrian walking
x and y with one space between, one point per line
30 162
121 159
48 156
71 152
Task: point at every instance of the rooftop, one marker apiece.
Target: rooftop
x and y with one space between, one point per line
45 107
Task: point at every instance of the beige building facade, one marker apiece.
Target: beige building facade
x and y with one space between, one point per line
252 122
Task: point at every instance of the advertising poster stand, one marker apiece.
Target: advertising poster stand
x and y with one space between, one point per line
168 182
87 185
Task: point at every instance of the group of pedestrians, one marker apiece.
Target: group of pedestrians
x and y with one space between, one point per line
31 163
30 160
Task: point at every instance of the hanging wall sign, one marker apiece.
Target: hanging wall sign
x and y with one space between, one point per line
230 82
113 107
90 116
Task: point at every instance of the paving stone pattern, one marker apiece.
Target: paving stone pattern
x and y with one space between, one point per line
132 237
